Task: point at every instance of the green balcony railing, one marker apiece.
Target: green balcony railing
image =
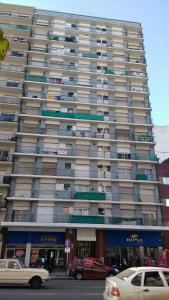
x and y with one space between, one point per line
144 157
35 78
141 177
109 71
87 219
23 27
50 113
90 196
89 55
54 37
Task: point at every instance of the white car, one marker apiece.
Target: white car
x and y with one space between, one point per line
13 272
143 283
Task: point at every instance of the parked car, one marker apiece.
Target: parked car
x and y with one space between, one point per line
91 268
12 271
145 283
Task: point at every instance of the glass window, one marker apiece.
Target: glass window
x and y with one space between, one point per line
166 180
98 263
12 265
125 274
137 280
166 275
153 279
2 265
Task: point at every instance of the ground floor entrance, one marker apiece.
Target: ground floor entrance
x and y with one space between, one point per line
86 249
128 248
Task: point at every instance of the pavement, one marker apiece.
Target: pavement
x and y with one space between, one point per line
59 275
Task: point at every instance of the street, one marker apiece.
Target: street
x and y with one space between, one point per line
56 290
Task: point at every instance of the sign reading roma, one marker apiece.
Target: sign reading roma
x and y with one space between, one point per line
4 45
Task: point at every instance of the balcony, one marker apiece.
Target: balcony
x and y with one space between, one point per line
36 78
144 138
11 100
71 115
141 177
13 27
86 219
103 56
146 157
90 196
11 84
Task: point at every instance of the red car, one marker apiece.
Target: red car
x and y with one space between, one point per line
91 268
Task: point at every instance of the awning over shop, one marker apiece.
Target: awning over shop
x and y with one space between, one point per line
87 235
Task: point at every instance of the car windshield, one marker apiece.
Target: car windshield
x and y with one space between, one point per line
125 274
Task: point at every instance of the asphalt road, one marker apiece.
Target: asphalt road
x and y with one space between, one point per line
56 290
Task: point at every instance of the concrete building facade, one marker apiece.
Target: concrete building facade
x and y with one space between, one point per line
76 124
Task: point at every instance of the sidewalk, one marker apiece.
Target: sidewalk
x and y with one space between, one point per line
59 274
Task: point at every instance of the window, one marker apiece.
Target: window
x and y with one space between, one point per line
166 180
69 127
66 210
148 218
81 211
70 94
101 211
153 279
12 265
137 280
66 186
166 275
98 263
68 166
2 265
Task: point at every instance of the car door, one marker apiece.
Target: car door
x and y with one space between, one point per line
154 286
132 288
99 270
3 269
14 273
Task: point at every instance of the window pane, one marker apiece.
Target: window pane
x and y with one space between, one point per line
2 264
137 280
152 279
166 275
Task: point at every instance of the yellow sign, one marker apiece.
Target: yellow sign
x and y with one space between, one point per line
4 45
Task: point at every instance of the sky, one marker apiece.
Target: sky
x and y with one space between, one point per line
154 17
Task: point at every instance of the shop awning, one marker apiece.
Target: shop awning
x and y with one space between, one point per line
87 235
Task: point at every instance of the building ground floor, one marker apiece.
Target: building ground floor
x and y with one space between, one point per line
114 247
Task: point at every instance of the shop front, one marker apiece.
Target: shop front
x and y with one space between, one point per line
37 248
132 248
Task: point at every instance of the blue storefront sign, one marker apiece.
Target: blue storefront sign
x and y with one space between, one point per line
120 238
19 237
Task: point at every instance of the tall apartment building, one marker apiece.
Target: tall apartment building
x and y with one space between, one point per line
75 117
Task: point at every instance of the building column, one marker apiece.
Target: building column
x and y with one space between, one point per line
142 256
28 249
4 234
100 244
71 235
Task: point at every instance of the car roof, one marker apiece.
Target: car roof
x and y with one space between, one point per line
149 269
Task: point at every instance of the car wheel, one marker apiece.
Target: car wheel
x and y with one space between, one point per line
79 276
36 282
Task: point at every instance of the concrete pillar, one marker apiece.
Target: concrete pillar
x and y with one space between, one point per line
142 256
100 244
71 235
28 249
160 252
